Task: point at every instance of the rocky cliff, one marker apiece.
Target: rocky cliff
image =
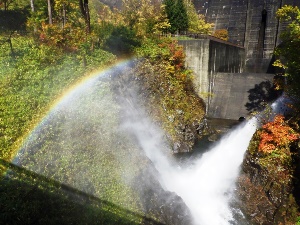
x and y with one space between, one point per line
268 185
177 109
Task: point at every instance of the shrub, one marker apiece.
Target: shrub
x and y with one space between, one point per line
276 134
121 41
221 34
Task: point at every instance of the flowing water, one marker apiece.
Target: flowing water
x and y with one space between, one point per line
206 184
92 142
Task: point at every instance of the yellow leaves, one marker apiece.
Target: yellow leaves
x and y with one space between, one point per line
170 69
221 34
279 64
288 13
145 17
197 23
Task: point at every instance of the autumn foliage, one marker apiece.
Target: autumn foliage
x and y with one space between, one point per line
276 134
177 55
221 34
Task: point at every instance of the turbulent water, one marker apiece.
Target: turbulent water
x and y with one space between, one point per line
85 143
205 184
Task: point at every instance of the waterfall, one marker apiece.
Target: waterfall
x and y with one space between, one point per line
80 143
206 185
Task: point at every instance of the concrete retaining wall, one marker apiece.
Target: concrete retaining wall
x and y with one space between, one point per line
246 27
237 95
197 59
207 57
228 93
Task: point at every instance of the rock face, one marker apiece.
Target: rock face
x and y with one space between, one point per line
157 203
189 133
265 191
183 125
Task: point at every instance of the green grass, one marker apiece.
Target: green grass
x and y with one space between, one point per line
30 80
30 198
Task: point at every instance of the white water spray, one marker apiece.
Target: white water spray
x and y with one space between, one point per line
207 185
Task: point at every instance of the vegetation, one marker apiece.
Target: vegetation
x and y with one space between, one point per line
221 34
36 62
274 149
30 198
274 142
288 51
50 46
196 22
177 15
276 137
170 88
47 46
272 162
31 79
145 17
183 18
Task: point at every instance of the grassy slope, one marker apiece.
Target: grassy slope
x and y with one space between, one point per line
30 80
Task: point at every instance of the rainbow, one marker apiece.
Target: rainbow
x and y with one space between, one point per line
86 81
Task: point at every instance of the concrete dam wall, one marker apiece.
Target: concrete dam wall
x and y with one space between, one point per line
228 92
251 24
209 56
237 95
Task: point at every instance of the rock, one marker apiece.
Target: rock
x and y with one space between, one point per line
183 124
164 206
180 147
265 192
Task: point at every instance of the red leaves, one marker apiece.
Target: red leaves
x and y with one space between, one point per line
177 56
276 134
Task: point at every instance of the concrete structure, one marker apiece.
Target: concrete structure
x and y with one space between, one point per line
237 95
251 24
219 79
254 32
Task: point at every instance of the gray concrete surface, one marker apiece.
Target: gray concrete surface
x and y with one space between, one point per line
237 95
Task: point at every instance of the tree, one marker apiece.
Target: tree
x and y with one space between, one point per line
288 50
84 7
32 5
5 4
177 15
276 135
145 17
49 11
196 22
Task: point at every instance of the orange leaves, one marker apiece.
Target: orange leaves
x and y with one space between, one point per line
177 55
276 134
